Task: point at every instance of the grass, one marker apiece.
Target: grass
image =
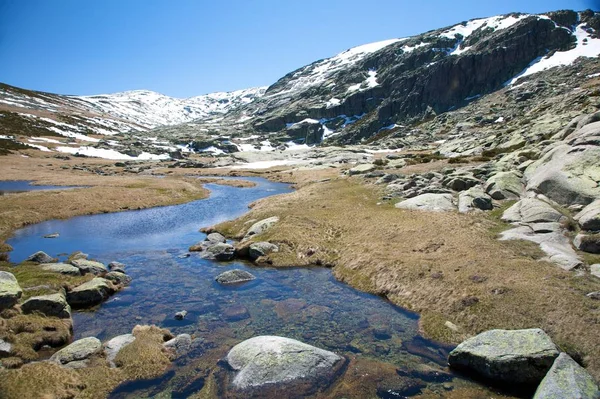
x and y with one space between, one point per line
484 283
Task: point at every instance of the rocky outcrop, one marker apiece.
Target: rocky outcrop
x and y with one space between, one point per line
532 210
89 266
429 202
261 248
90 293
10 291
77 354
261 226
504 185
567 379
53 305
40 257
62 268
507 356
265 362
118 278
362 169
588 243
235 276
589 217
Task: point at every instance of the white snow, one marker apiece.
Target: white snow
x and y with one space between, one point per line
372 79
212 149
333 102
291 146
586 47
6 137
496 23
109 154
355 87
499 120
410 49
44 140
307 120
594 75
39 147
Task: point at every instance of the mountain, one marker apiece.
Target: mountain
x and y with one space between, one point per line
380 93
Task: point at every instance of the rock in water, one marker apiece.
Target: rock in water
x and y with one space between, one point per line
52 235
89 266
10 291
261 226
180 344
429 202
53 305
567 379
267 362
78 352
215 238
234 277
91 293
509 356
40 257
114 346
181 315
220 252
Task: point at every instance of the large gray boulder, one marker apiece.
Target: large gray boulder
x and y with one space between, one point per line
10 291
567 379
474 198
429 202
588 243
589 217
53 305
220 252
89 266
235 276
504 185
118 278
215 238
362 169
62 268
114 346
261 226
262 248
78 352
40 257
90 293
179 345
264 361
532 210
507 356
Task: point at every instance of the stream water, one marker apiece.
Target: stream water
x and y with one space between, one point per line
17 186
305 304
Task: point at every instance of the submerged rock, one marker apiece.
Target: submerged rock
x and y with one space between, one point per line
180 345
62 268
567 379
89 266
261 226
507 356
53 305
40 257
91 293
268 361
236 313
234 277
429 202
114 346
10 291
78 352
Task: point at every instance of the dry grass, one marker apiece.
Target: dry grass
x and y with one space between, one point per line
447 266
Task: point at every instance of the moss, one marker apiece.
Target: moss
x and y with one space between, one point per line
40 380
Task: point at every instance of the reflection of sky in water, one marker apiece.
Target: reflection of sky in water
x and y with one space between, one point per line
24 185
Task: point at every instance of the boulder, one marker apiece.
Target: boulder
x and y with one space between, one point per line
77 352
261 226
118 278
114 346
116 267
179 345
90 293
474 198
220 252
595 270
532 210
508 356
215 238
262 248
504 185
588 243
235 276
181 315
52 235
567 379
10 291
266 361
589 217
62 268
53 305
362 169
89 266
429 202
40 257
5 348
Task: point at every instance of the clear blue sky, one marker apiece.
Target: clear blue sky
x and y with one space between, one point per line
184 48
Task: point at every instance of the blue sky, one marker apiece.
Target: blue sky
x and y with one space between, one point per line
185 48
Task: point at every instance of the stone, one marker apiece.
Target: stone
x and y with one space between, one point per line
62 268
181 315
40 257
220 252
429 202
118 278
595 270
10 291
53 305
507 356
264 361
532 210
90 293
261 226
589 217
79 350
114 346
236 313
5 348
594 295
235 276
504 185
116 266
180 345
53 235
89 266
474 198
361 169
215 237
567 379
262 248
588 243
